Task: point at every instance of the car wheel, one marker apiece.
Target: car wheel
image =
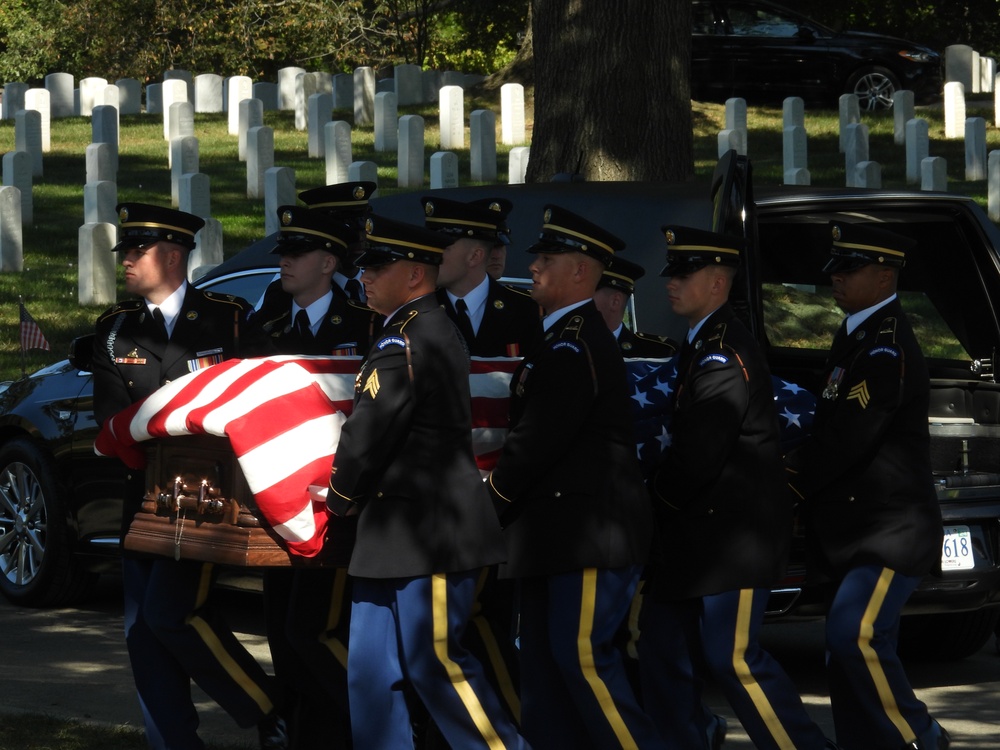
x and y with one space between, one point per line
36 565
874 87
947 636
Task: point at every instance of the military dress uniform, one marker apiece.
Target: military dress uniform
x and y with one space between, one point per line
724 529
872 519
577 519
621 276
348 202
173 632
426 528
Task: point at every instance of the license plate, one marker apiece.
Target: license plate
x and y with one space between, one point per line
956 551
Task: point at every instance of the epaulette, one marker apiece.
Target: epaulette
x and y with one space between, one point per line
359 306
568 337
665 341
887 328
132 305
230 299
519 289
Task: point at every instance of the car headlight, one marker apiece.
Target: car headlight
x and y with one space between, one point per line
917 56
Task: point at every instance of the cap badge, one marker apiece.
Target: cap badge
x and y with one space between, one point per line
286 218
494 206
697 345
547 216
123 215
369 226
429 209
358 192
671 237
835 231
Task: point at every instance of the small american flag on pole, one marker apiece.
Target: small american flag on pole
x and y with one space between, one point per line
31 335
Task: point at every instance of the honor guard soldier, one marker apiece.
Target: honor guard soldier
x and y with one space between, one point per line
613 293
864 485
495 320
570 494
405 467
348 202
173 632
308 610
717 492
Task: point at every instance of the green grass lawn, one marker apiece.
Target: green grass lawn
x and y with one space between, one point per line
49 282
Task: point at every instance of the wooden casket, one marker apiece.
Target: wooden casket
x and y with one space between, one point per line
198 506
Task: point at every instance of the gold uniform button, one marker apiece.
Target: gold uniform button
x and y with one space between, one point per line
131 383
378 494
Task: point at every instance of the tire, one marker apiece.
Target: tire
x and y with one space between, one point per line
874 87
36 544
945 637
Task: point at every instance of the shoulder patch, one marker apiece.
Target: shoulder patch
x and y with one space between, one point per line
887 350
391 341
563 344
714 357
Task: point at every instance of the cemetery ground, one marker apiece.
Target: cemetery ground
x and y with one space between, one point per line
49 284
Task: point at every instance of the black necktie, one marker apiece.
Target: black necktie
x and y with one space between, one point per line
353 289
464 322
161 322
302 324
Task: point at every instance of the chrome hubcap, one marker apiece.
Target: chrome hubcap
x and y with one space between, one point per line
23 524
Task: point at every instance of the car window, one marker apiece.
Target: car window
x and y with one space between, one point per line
703 19
748 20
804 316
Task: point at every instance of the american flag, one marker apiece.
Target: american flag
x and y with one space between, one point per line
283 417
31 335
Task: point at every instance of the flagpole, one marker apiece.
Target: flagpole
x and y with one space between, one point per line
20 339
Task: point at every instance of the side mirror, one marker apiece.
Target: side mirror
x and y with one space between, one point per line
81 352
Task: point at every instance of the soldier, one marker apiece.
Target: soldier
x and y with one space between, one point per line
864 482
173 632
495 320
308 610
571 496
405 467
718 500
613 292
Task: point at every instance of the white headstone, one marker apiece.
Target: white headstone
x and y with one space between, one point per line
512 129
343 91
181 125
267 92
409 85
732 139
337 135
996 101
452 117
60 87
260 158
868 174
173 91
11 232
184 159
902 113
410 158
793 112
96 263
918 146
795 154
736 113
238 88
250 114
207 253
993 191
13 99
797 177
208 93
39 100
154 98
975 149
850 114
99 201
112 98
483 145
517 166
28 138
17 173
305 86
91 92
855 151
444 170
954 110
363 171
279 190
364 96
386 121
987 74
286 86
958 65
178 74
99 163
934 174
129 96
974 89
320 113
104 129
195 194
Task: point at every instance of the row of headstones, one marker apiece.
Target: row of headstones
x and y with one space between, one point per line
976 72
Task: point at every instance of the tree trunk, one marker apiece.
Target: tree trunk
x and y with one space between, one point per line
612 90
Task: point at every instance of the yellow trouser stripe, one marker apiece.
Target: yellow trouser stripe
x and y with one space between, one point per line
742 669
439 592
871 657
335 645
585 652
225 659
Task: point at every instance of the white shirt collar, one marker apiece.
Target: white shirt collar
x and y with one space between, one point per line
852 321
553 316
693 332
315 311
475 301
171 307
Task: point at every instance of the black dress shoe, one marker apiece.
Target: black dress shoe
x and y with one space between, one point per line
717 728
935 738
272 732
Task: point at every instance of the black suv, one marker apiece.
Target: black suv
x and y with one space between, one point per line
752 48
59 506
